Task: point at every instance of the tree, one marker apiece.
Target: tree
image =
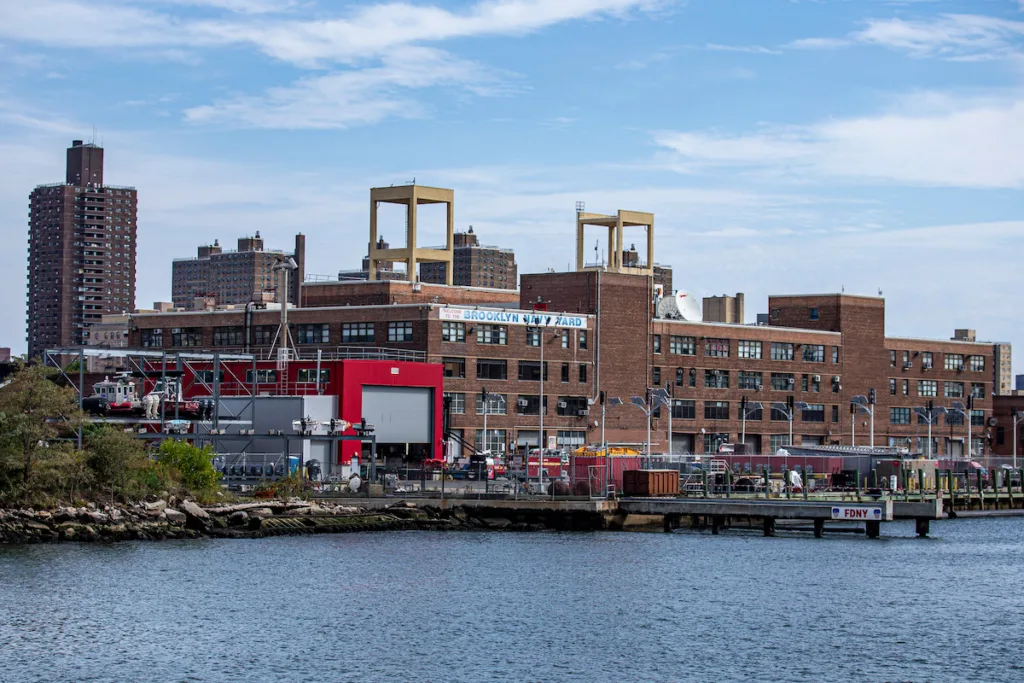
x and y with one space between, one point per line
193 465
117 458
35 413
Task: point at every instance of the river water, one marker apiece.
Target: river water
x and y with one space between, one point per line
475 606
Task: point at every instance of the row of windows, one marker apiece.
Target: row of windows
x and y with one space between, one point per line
901 416
722 348
929 388
951 361
455 332
263 335
490 368
746 380
498 404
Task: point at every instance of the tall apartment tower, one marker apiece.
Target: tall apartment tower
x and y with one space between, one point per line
475 265
235 277
81 252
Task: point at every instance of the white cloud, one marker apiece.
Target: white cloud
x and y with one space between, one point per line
962 144
955 37
355 97
750 49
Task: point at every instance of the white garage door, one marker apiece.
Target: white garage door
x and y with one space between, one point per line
400 414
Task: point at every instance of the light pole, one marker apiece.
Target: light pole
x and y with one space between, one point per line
640 403
668 392
929 413
867 404
958 407
746 408
787 410
1017 419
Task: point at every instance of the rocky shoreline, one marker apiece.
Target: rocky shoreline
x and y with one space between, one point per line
172 519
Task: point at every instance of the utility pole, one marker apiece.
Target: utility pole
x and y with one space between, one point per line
668 390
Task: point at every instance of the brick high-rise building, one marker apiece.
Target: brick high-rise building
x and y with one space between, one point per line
81 255
476 265
234 277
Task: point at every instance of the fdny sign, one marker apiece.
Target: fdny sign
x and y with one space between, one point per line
538 319
858 514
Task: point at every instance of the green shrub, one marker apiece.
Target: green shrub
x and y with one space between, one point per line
190 465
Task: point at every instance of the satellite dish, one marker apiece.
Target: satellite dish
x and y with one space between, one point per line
354 482
680 306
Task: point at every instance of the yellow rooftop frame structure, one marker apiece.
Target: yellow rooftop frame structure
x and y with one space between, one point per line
412 196
615 225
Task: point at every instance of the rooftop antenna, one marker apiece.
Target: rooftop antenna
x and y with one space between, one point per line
580 207
879 291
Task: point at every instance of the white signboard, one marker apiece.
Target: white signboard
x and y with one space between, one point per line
537 319
857 514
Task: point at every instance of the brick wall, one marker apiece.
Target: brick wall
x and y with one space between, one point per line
383 293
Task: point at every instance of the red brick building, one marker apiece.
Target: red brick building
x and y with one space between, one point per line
818 350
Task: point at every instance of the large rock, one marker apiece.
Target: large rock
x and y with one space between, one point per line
195 517
174 516
155 506
238 518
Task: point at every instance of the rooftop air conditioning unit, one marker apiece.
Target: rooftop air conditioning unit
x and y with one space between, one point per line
960 368
522 403
817 378
835 379
583 413
562 404
907 365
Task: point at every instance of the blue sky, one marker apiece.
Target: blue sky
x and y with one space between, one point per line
784 146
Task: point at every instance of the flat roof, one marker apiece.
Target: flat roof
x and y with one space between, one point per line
827 294
939 341
427 304
740 326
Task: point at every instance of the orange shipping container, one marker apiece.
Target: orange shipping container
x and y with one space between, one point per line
649 483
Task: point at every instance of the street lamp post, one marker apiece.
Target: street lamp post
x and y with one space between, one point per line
965 411
929 413
867 404
747 408
789 411
1017 419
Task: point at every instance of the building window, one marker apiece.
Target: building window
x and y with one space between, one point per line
683 409
713 442
954 361
262 377
583 340
906 387
753 414
583 373
491 369
491 334
656 377
835 414
263 335
571 439
814 314
749 349
229 336
716 410
892 359
927 387
679 377
497 404
352 333
804 383
777 441
456 402
312 334
899 416
977 390
835 355
779 415
781 351
927 360
309 375
814 353
683 346
186 336
533 336
977 418
454 367
572 406
783 381
565 373
693 378
750 380
954 390
400 332
565 339
977 363
529 371
814 412
494 443
153 339
657 343
453 332
719 348
530 405
954 419
716 379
